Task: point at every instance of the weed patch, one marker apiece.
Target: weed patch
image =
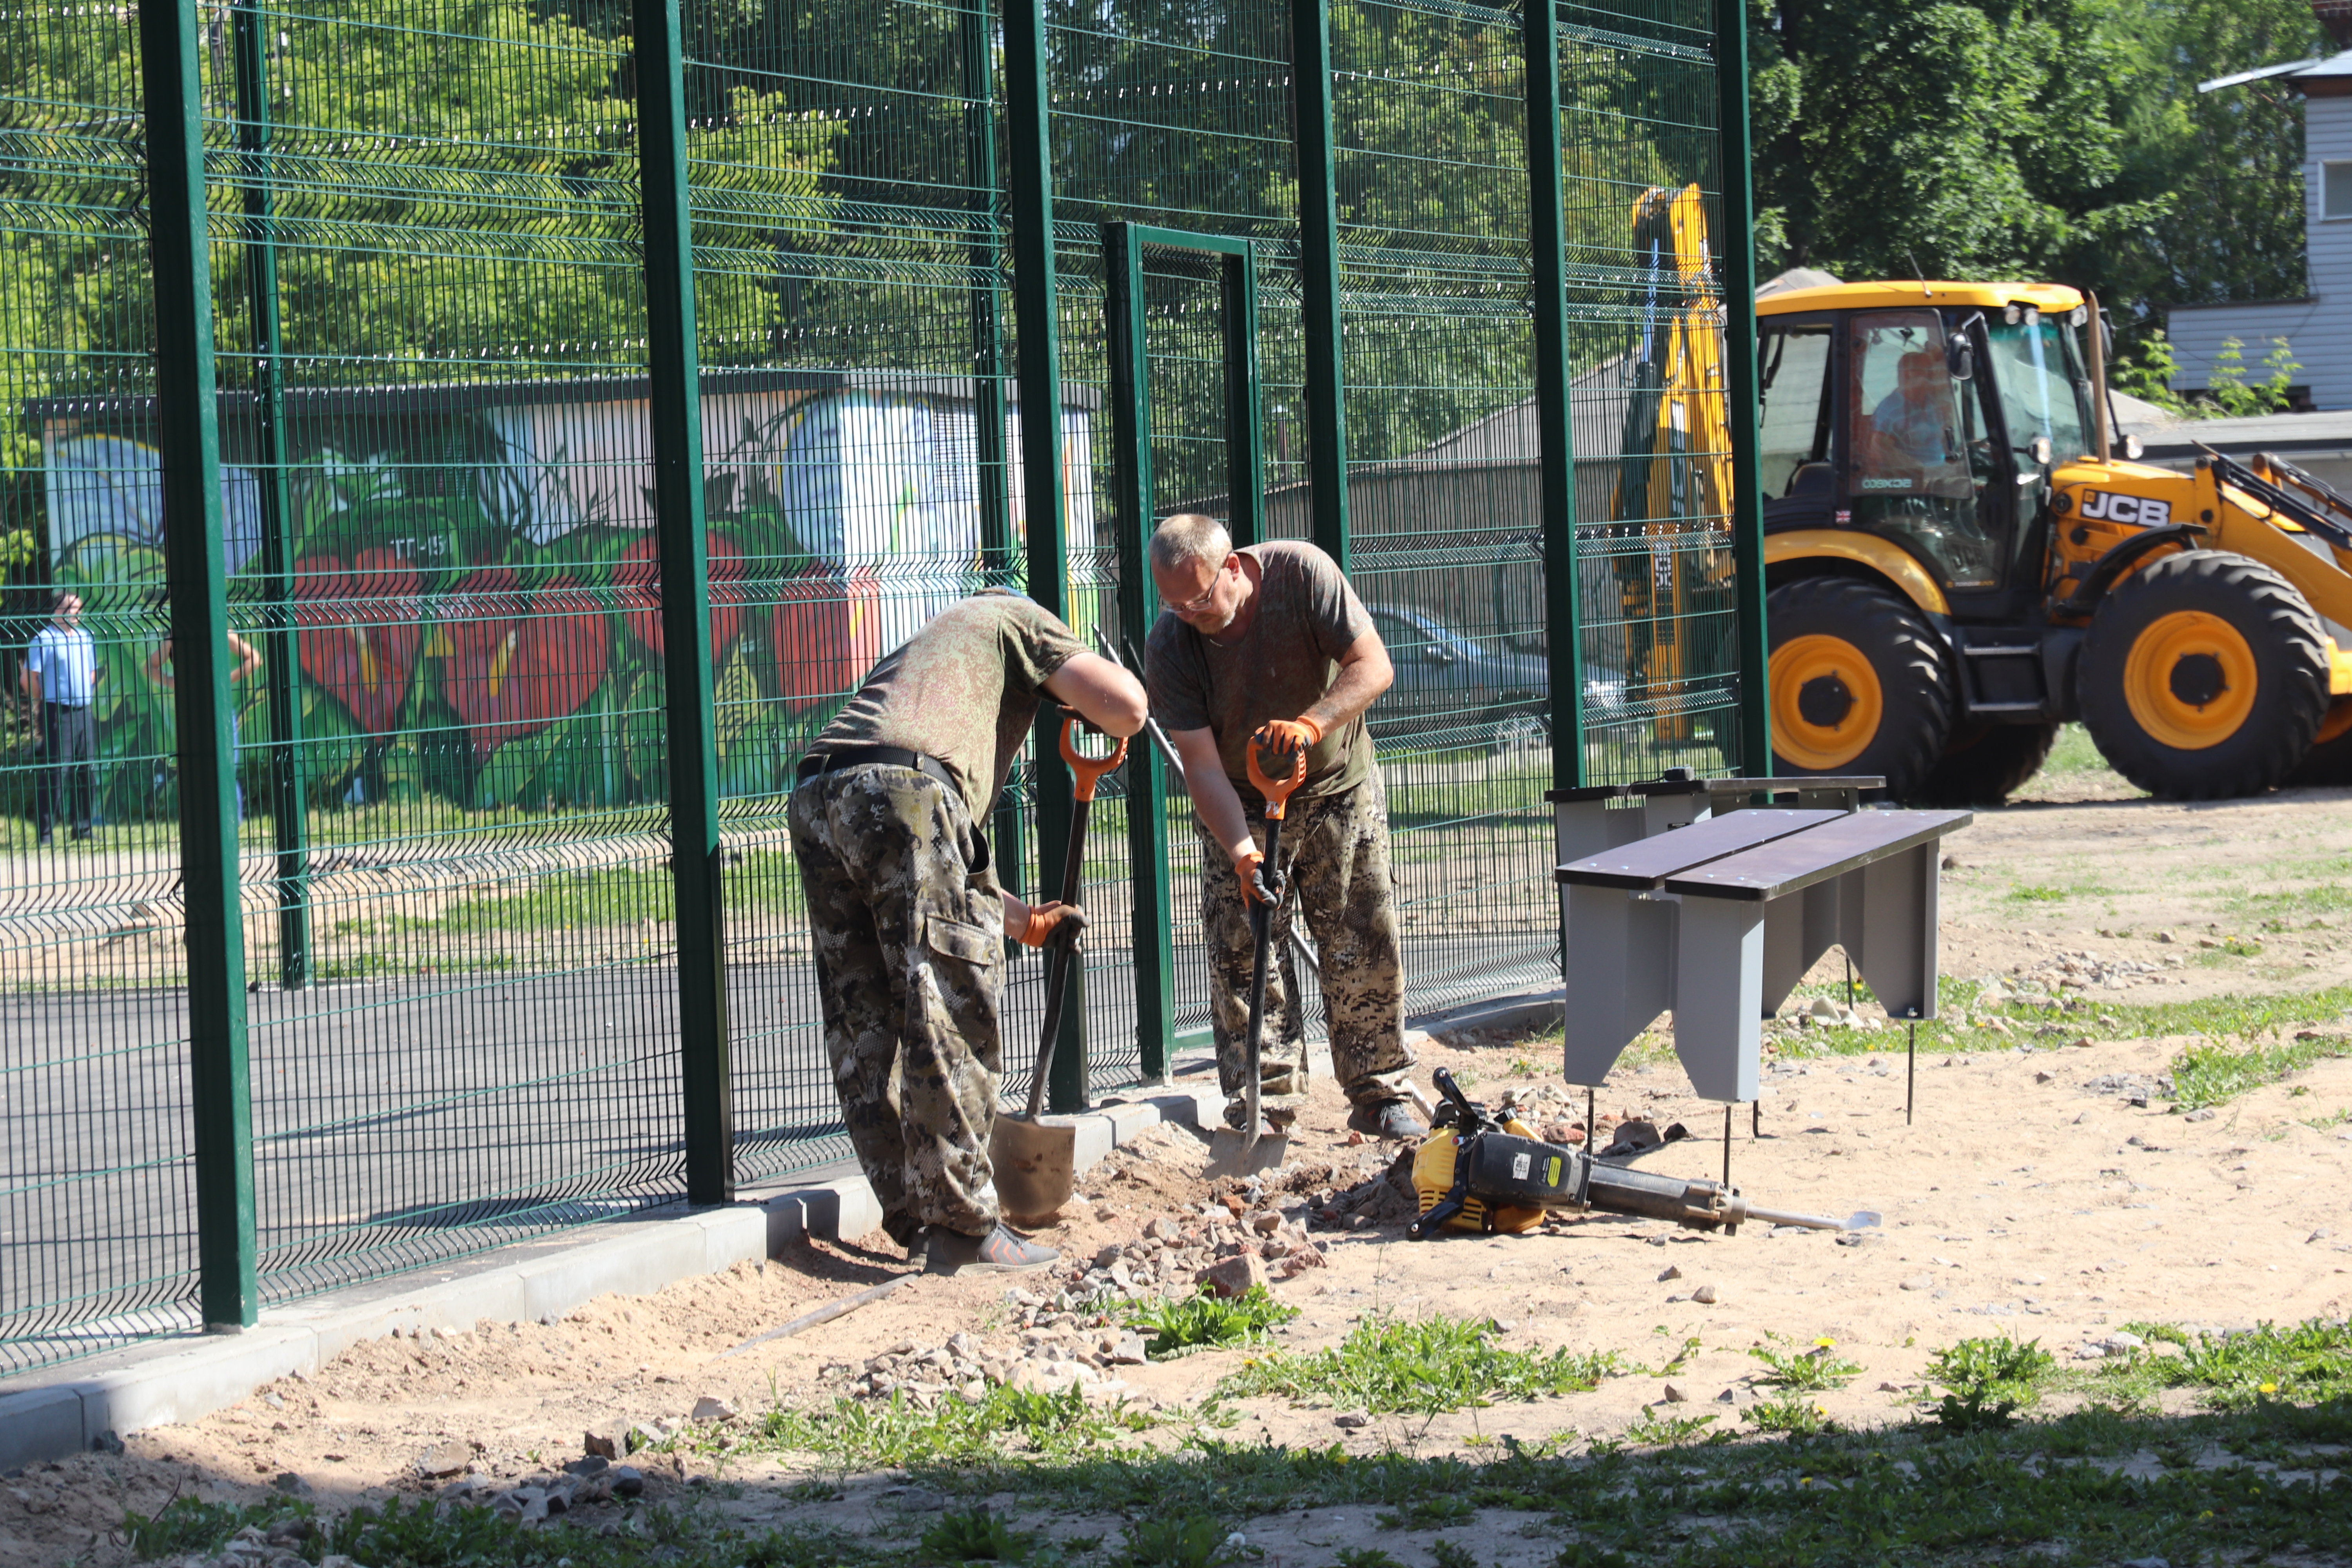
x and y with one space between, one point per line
1006 1423
1423 1365
2217 1071
1986 1381
1808 1371
2310 1362
1207 1320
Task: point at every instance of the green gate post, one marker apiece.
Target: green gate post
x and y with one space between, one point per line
696 867
187 439
1318 276
1245 438
1147 771
996 556
1547 239
281 670
1737 246
1030 204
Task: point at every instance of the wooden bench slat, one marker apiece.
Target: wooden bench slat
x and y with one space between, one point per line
1648 862
1790 862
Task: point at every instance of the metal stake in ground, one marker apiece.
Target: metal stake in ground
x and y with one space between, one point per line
1910 1073
1036 1165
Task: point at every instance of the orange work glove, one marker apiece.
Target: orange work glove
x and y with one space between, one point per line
1047 921
1249 866
1288 735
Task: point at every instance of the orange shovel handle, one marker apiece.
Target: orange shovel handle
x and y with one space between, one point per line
1276 790
1088 770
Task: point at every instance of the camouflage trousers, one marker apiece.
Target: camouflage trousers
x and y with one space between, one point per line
909 948
1335 850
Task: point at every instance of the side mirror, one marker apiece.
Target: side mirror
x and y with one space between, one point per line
2041 451
1960 356
2133 447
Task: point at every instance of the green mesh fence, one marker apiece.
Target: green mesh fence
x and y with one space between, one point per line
436 449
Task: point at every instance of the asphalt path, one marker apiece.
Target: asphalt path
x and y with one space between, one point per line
402 1122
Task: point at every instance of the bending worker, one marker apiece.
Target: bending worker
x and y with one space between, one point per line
1272 642
908 915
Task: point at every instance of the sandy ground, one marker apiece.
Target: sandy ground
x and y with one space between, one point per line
2029 1196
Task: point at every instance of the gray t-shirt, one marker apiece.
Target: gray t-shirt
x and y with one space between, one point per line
964 689
1306 617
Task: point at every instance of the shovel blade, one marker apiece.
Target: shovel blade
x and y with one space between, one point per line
1228 1157
1037 1166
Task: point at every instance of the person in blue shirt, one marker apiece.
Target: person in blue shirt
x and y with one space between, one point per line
60 680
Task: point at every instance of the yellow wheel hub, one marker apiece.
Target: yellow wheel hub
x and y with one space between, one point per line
1826 702
2191 680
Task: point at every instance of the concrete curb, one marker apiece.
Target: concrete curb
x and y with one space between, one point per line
65 1409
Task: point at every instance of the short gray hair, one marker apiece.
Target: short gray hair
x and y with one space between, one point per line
1187 537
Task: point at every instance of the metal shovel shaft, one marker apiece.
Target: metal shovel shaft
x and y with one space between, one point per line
1262 934
1064 953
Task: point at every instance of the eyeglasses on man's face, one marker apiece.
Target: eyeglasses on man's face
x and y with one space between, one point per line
1192 605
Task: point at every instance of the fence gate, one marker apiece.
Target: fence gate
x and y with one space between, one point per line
1185 432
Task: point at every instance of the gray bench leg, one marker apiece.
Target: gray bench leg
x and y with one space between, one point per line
1797 930
1719 995
1617 975
1888 920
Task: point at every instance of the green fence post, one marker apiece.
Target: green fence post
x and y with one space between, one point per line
988 363
1318 276
282 667
1547 239
696 867
1244 437
1030 205
1735 245
1147 771
187 439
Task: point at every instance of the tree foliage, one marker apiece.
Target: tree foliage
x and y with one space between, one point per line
2051 138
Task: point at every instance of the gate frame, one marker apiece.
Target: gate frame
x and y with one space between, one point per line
1123 244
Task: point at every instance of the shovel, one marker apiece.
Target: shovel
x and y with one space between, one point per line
1244 1152
1036 1165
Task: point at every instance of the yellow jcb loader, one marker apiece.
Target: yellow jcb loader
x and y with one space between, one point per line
1958 560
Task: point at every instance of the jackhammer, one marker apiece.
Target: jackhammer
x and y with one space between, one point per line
1503 1180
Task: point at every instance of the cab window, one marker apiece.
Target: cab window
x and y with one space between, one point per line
1794 362
2041 390
1918 460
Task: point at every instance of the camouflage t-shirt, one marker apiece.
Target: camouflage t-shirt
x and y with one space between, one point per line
1306 617
964 689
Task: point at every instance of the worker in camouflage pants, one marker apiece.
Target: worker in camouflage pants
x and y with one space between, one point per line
1337 848
909 919
1269 647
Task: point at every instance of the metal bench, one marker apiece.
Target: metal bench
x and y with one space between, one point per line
1717 919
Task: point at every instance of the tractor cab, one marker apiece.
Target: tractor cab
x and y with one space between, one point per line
1915 423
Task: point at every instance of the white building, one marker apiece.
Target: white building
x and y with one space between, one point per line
2318 325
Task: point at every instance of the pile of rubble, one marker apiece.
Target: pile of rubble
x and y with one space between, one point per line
1060 1350
2048 981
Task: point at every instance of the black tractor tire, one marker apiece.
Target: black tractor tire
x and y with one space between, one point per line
2230 686
1824 630
1982 764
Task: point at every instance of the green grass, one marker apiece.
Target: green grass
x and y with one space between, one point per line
2216 1071
1809 1371
1007 1424
1207 1320
2228 1480
1986 1381
1390 1365
2264 1367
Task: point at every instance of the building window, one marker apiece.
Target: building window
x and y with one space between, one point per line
2336 190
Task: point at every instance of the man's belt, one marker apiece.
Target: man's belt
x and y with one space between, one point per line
842 757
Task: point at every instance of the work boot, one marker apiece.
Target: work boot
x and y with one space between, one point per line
998 1252
1386 1119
